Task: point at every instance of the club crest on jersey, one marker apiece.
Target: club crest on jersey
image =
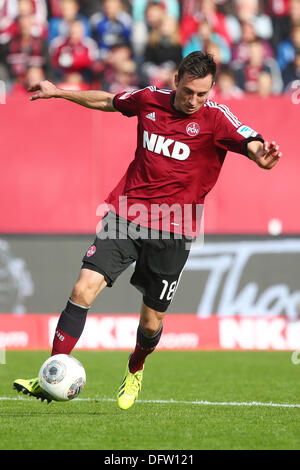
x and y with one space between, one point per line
193 129
91 251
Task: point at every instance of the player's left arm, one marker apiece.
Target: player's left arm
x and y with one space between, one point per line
231 134
265 155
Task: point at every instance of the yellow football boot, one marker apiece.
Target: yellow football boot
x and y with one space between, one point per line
31 387
129 388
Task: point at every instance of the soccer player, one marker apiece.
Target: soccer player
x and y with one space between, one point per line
182 140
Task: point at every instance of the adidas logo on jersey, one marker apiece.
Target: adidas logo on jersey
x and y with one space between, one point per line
151 116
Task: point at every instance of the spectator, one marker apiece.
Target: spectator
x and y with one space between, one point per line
163 54
216 19
204 40
34 75
214 49
125 78
60 26
118 54
144 21
89 7
10 10
240 50
291 73
154 15
226 87
205 9
54 8
286 14
287 49
74 53
294 12
8 30
278 10
265 84
37 8
73 81
112 27
248 73
139 7
249 11
26 51
225 6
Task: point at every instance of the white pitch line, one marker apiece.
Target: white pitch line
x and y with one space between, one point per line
177 402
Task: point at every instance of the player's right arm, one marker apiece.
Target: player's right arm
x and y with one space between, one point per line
94 99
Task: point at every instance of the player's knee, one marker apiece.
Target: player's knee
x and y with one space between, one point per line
86 290
150 326
150 320
81 295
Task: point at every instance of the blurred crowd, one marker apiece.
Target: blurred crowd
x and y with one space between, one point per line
118 45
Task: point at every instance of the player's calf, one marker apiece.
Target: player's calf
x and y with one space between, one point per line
72 320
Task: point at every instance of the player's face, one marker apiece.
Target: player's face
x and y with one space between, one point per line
191 92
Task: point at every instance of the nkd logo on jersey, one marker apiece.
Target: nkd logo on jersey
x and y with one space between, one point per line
164 146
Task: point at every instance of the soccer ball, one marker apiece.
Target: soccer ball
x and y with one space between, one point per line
62 377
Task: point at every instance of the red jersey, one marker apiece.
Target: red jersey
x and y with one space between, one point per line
177 160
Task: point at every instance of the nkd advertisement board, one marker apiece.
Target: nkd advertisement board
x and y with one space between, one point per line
235 294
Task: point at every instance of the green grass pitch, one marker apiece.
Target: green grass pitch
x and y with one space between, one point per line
167 415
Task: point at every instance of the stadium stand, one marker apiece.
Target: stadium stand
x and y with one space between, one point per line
76 42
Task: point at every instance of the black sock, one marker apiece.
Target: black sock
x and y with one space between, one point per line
148 342
72 319
69 328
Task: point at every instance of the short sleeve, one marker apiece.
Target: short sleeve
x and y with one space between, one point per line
126 103
231 134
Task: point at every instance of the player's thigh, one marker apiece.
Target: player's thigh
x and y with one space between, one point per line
158 270
91 280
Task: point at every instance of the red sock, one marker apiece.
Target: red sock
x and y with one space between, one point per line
63 343
137 358
145 345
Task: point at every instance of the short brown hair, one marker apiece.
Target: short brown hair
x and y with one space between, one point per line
199 64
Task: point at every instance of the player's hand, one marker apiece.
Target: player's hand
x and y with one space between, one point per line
44 89
269 156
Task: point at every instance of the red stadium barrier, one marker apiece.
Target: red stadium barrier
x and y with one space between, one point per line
181 332
59 161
